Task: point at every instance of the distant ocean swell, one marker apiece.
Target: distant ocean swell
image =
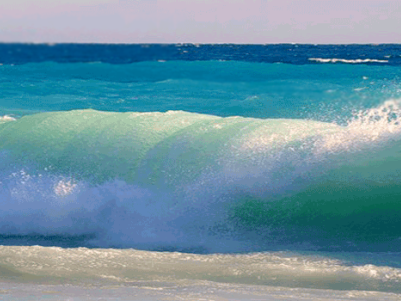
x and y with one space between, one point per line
194 182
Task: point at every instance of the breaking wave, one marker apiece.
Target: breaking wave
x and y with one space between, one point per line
201 183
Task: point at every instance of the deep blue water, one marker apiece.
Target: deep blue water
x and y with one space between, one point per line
298 54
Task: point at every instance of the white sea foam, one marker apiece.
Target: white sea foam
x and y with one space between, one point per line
103 267
368 128
6 118
64 188
356 61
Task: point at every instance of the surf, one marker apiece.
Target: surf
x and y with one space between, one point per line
202 183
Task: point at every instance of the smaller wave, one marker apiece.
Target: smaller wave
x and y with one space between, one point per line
357 272
357 61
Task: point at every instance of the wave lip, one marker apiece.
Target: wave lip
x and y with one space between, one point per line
338 60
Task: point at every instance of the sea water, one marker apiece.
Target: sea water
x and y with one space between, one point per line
200 172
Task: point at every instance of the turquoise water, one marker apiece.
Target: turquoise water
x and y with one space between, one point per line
208 156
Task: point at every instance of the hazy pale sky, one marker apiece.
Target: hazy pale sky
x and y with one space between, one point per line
201 21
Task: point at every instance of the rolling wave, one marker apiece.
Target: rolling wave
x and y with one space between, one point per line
201 183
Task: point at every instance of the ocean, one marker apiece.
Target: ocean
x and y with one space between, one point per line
200 172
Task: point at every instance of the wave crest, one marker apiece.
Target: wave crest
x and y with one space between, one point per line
347 61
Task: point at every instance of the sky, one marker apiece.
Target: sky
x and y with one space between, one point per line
201 21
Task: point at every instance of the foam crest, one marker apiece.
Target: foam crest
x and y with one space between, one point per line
356 61
367 128
384 274
6 118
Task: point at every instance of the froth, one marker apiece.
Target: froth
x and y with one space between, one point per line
6 118
367 128
356 61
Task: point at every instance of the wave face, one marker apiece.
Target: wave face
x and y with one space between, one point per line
202 183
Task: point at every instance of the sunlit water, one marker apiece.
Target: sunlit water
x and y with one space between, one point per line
200 171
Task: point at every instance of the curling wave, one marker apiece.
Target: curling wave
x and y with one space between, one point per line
185 181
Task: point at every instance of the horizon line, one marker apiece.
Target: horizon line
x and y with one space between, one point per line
188 43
